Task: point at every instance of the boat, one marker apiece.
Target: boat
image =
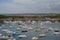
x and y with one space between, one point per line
30 28
7 31
18 28
50 29
33 22
10 26
42 35
34 38
37 30
11 38
56 32
24 28
20 21
4 37
24 31
47 22
5 21
42 27
4 30
16 33
0 34
22 36
28 21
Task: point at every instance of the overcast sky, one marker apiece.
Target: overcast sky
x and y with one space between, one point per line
29 6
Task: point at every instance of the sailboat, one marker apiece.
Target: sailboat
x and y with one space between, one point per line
42 26
35 38
42 31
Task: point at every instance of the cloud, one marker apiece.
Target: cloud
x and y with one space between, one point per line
23 1
30 6
5 1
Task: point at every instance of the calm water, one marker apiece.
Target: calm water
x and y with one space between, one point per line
32 33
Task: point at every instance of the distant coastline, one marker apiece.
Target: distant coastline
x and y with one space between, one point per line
29 14
36 17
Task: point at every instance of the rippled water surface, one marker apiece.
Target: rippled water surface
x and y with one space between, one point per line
31 33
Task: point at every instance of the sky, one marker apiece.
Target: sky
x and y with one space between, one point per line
29 6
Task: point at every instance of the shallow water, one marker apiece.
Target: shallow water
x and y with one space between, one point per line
32 33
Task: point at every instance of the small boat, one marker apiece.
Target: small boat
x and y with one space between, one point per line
24 27
22 36
37 30
5 21
4 30
24 31
41 23
4 37
11 38
33 22
42 27
50 29
47 22
15 33
42 35
18 28
34 38
56 32
30 28
20 21
0 34
7 31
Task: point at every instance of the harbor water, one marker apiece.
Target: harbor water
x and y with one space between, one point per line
30 30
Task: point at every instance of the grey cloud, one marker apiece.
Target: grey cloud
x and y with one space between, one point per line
34 6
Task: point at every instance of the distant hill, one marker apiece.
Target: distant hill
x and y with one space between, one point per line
30 14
